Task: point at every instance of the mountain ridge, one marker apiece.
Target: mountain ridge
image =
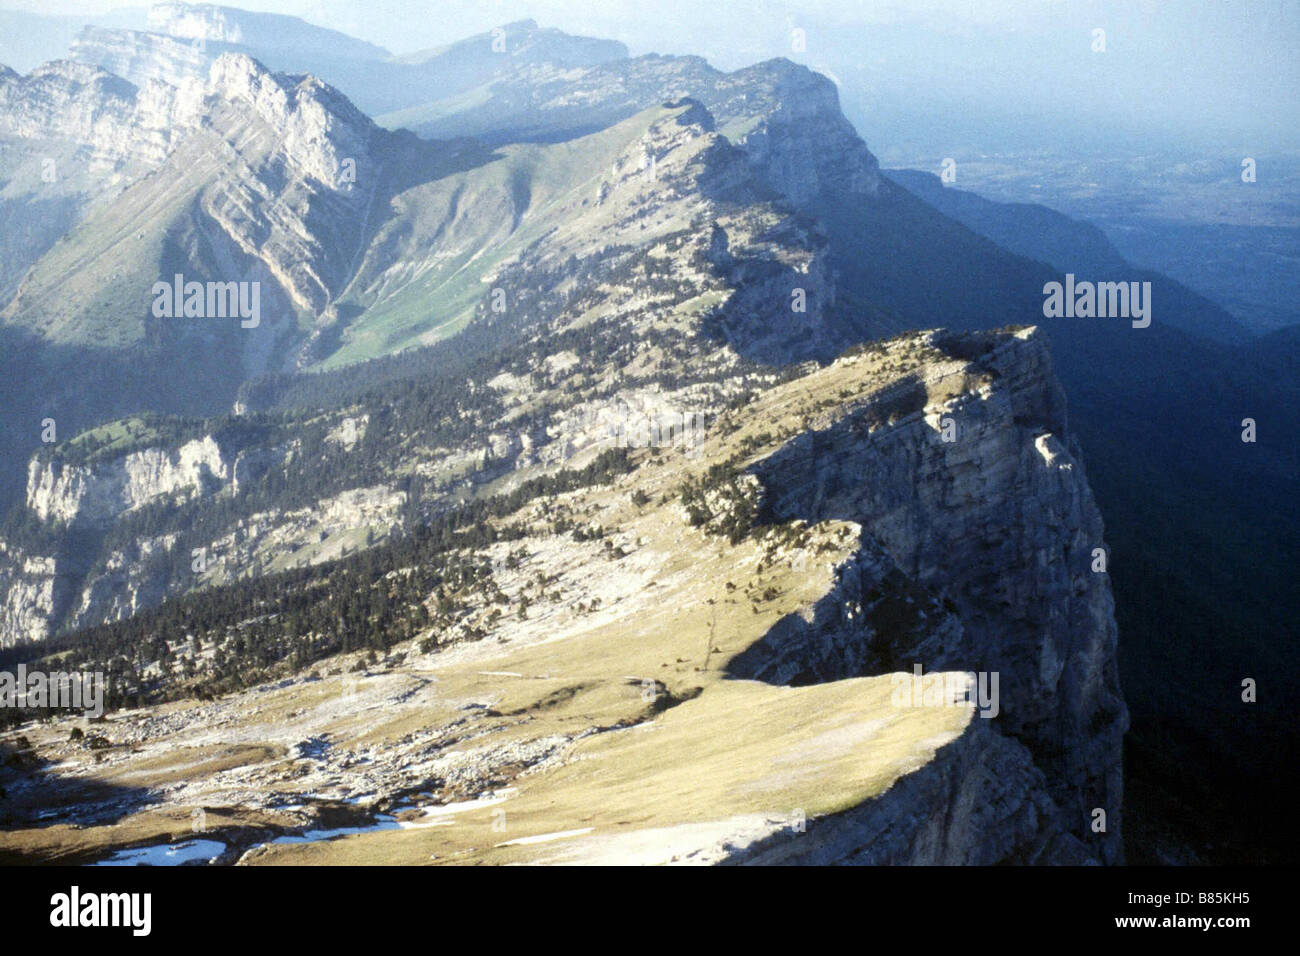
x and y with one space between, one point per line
842 598
630 241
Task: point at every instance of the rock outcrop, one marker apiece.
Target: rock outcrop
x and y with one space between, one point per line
79 580
33 592
915 503
142 57
95 110
997 523
96 495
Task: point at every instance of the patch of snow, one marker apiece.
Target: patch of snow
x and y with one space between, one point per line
547 837
166 854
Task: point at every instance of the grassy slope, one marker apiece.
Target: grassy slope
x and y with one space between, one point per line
729 754
739 749
461 228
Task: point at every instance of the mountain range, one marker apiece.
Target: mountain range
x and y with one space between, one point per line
479 266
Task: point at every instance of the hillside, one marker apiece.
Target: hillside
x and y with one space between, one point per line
484 276
575 673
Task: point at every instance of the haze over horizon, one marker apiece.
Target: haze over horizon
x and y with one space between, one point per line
929 76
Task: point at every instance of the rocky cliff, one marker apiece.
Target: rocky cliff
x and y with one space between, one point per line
715 632
142 57
96 495
89 107
997 522
34 593
710 671
93 553
202 23
238 174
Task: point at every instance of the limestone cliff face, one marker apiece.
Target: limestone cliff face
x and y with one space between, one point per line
210 23
97 495
290 163
800 108
32 589
82 582
76 503
143 57
197 22
117 120
989 537
88 107
980 802
318 126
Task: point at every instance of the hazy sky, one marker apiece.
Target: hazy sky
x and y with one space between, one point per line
1220 75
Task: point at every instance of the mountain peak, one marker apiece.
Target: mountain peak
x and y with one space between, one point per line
78 73
206 22
82 104
286 99
196 22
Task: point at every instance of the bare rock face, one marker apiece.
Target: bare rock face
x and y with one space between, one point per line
75 571
174 89
97 495
288 164
203 23
32 590
999 525
71 102
980 802
129 581
42 590
799 107
319 126
143 57
197 21
72 501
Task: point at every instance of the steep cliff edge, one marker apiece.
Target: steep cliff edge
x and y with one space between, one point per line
996 519
91 495
717 668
